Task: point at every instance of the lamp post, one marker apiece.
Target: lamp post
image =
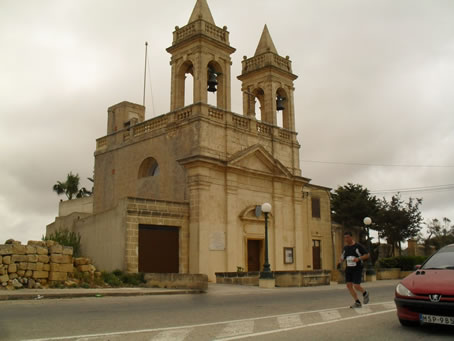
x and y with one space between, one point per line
266 273
367 221
369 269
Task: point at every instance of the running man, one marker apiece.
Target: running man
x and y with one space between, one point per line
355 254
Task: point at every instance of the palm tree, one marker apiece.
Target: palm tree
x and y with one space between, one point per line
71 187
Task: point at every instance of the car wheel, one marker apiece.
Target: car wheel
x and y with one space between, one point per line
408 323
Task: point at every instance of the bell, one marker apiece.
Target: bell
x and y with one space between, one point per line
212 80
280 103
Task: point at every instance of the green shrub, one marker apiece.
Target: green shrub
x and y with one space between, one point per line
133 279
118 273
56 285
81 276
119 278
66 238
405 263
111 279
391 262
408 263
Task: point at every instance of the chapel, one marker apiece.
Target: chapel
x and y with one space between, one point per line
181 192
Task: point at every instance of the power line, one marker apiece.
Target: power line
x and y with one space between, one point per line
438 188
376 164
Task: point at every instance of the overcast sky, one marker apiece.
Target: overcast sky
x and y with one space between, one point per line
374 99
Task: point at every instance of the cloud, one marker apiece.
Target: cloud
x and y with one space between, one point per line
374 87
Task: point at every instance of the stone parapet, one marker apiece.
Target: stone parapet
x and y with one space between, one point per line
177 281
200 27
282 278
167 122
266 59
392 273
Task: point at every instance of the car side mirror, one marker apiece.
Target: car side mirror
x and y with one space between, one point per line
417 267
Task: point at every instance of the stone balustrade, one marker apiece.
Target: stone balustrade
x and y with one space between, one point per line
200 27
266 59
198 110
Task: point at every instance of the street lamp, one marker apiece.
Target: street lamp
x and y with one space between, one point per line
266 273
367 221
369 270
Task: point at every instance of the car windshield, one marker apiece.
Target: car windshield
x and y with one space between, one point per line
443 259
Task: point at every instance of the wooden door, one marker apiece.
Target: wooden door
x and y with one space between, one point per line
158 249
316 255
253 255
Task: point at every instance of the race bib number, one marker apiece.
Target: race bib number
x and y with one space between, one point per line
351 261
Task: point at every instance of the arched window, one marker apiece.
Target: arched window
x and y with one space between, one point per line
149 167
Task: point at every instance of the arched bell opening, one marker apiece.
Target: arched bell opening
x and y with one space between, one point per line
215 84
259 98
282 109
185 84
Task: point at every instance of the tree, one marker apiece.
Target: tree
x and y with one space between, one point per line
440 233
71 187
398 221
351 204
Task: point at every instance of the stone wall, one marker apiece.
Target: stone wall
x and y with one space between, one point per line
283 278
34 265
415 249
177 281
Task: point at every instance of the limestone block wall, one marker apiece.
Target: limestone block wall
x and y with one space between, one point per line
34 265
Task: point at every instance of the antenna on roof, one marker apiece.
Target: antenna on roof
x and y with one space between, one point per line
145 73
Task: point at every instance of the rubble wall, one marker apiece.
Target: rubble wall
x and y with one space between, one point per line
34 265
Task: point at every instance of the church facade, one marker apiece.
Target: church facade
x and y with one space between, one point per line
181 192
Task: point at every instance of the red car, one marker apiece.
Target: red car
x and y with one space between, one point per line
427 295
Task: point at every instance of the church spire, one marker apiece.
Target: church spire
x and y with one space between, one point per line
266 43
201 11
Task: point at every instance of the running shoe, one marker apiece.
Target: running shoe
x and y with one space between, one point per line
357 304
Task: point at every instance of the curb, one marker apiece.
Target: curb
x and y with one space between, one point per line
99 294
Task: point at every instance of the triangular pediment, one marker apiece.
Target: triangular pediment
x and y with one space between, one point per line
258 159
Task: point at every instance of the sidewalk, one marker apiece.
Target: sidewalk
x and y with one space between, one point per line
36 294
213 288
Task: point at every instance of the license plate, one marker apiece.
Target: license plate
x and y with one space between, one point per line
448 320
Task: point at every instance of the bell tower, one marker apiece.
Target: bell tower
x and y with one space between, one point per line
203 50
268 78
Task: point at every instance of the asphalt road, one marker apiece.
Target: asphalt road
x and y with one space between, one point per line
224 313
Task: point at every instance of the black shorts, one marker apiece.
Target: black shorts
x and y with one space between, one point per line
353 276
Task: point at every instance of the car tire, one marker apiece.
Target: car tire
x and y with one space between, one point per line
407 323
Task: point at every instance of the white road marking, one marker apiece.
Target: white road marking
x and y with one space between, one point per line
304 326
330 315
289 321
172 335
237 328
389 305
363 310
130 332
